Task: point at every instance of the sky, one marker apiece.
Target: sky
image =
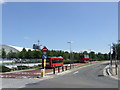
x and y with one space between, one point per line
89 25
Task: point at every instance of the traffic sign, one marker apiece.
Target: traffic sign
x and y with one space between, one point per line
44 56
44 49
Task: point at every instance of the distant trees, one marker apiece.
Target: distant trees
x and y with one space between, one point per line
116 51
3 53
12 54
37 54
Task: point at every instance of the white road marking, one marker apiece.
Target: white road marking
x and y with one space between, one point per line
75 72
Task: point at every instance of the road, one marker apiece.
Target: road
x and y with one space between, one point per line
87 77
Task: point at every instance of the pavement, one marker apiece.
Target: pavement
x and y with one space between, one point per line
34 73
112 72
20 82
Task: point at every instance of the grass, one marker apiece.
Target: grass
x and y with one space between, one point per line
27 69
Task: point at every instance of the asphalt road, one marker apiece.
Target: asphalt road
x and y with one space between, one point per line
87 77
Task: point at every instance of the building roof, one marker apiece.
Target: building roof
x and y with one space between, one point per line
8 48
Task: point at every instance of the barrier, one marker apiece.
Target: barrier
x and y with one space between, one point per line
58 69
65 67
53 70
62 68
42 72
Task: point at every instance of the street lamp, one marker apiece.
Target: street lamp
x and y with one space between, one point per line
110 67
70 52
110 56
116 56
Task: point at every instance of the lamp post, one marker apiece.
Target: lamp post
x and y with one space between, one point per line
70 53
116 56
110 60
110 55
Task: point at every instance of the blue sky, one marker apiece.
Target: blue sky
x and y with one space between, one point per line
89 25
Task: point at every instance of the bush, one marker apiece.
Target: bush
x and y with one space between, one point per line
4 69
22 67
66 61
76 61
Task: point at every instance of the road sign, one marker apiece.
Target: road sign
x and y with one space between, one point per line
44 56
44 49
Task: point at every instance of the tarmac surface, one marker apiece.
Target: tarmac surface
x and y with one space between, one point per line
90 76
87 77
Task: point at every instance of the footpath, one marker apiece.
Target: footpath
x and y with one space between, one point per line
112 72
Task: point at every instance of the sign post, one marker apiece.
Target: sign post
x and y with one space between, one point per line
44 57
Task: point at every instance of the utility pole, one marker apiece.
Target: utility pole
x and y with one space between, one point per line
110 58
70 53
116 57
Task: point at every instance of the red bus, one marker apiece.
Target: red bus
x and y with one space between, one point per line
53 62
84 58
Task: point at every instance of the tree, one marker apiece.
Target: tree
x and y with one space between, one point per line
11 55
66 55
92 55
100 56
37 54
23 53
116 51
106 56
85 52
3 53
29 54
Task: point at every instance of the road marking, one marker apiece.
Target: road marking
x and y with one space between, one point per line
75 72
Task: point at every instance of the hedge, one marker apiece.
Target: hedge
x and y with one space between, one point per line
22 67
4 69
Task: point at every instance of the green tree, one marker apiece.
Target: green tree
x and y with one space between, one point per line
92 55
66 55
85 52
37 54
3 53
100 56
29 54
11 55
106 56
116 51
23 53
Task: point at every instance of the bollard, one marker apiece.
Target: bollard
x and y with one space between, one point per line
62 68
42 72
65 67
58 69
53 70
70 66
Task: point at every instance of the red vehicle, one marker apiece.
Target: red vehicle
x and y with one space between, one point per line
84 58
53 62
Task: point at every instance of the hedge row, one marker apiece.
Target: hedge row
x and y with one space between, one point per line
68 61
4 69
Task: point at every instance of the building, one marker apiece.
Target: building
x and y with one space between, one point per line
8 48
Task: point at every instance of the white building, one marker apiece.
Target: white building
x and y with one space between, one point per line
8 48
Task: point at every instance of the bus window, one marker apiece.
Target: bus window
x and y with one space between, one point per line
47 60
57 60
60 60
87 59
53 60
